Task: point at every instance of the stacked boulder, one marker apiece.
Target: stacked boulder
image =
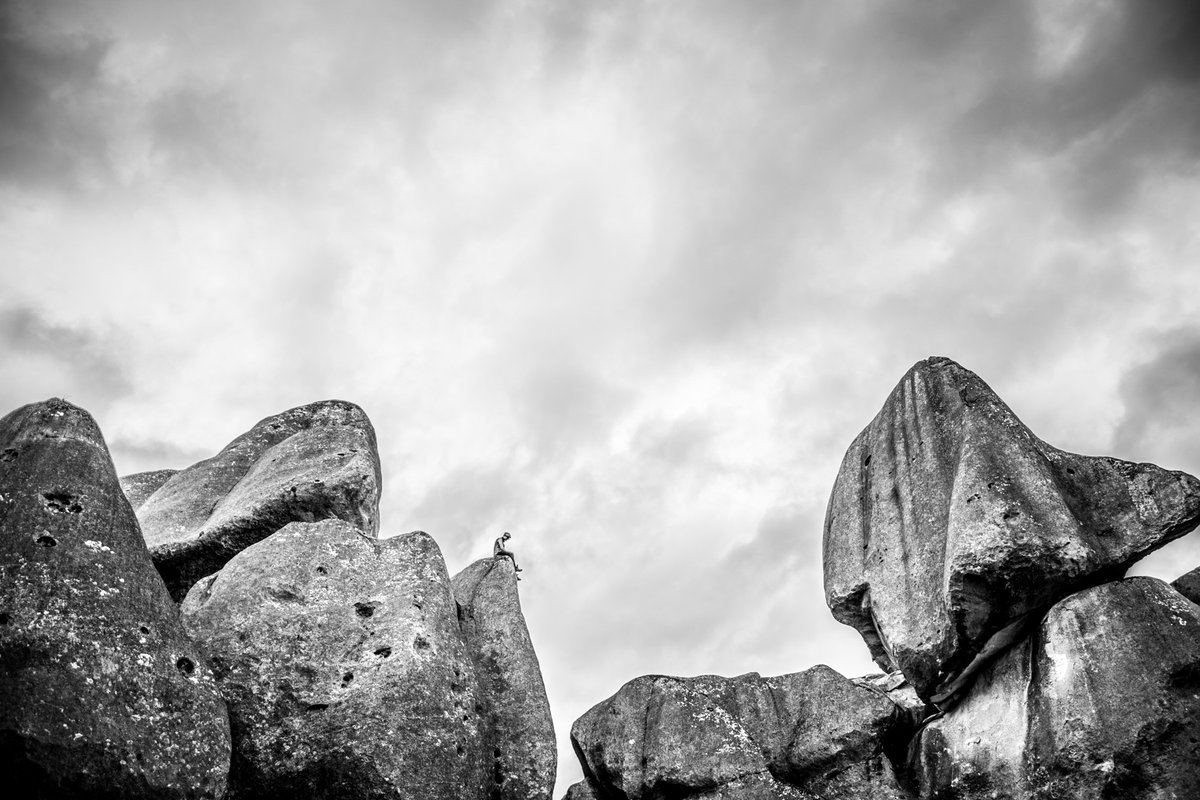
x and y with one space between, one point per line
309 657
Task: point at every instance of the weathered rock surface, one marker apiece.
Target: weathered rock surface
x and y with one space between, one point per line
951 526
141 485
314 462
101 693
809 732
519 733
1102 701
342 662
1188 585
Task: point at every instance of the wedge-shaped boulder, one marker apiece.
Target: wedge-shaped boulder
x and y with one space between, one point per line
1102 701
141 485
951 526
1188 585
519 733
343 666
809 732
318 461
101 692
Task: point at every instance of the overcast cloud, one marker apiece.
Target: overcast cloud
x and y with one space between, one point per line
622 278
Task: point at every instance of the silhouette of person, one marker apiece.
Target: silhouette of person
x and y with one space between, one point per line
500 551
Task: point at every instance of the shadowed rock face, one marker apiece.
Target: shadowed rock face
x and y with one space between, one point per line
1188 585
519 735
812 733
1102 701
314 462
343 666
951 526
101 693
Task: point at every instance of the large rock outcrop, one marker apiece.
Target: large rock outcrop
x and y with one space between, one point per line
808 733
951 527
101 693
1102 701
318 461
519 733
344 668
1188 585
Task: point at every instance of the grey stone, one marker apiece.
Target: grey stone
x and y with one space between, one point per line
141 485
1102 701
951 527
342 662
519 734
314 462
1188 585
101 692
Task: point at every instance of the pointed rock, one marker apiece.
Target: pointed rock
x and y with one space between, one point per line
1188 585
313 462
1103 700
141 485
101 692
951 526
343 666
519 734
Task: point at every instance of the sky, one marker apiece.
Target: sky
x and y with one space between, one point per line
622 278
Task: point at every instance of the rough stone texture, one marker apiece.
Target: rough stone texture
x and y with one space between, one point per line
1102 701
343 666
951 526
582 791
314 462
519 731
813 731
101 693
1188 585
141 485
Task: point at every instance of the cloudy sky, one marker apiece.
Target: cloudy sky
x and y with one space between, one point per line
623 278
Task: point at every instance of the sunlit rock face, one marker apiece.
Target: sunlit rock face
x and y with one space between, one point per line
1102 701
951 527
101 692
344 668
518 732
808 734
318 461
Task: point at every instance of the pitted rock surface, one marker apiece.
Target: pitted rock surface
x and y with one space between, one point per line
951 527
813 732
101 692
519 734
318 461
1102 701
342 662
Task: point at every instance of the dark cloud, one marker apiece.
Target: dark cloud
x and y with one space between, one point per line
49 134
79 364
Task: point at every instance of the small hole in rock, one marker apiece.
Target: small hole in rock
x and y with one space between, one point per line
383 651
144 629
349 676
185 665
364 609
460 749
9 455
46 540
322 571
4 618
421 643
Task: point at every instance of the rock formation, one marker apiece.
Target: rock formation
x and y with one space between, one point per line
141 485
812 733
314 462
1188 585
1102 701
519 733
101 693
342 662
951 527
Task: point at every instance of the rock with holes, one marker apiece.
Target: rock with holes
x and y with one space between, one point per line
951 526
1102 701
811 733
313 462
101 692
519 732
342 662
1188 585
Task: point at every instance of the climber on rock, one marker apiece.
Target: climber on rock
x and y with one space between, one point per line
500 551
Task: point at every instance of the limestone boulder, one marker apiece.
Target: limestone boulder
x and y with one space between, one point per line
951 527
314 462
519 733
1188 585
101 692
813 732
342 662
1102 701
